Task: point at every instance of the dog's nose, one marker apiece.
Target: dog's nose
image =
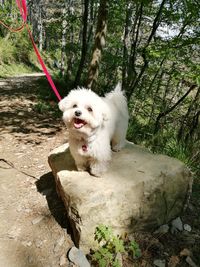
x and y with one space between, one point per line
77 113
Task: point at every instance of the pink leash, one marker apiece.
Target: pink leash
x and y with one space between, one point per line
23 11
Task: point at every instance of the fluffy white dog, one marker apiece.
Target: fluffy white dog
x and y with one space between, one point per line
96 125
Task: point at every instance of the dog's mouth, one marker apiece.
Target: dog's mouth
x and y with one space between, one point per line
78 123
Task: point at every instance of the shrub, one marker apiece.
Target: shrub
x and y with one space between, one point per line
110 246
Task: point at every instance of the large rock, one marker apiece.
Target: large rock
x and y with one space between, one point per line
141 190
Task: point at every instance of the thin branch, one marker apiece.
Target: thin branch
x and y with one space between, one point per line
145 65
166 112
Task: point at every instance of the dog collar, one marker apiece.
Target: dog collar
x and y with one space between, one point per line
85 148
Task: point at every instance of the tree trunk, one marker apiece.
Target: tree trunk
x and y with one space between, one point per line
84 43
40 29
132 74
2 3
63 44
125 45
98 46
70 56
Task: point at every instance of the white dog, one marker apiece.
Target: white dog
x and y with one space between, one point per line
95 124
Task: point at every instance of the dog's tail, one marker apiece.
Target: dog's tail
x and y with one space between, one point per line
118 98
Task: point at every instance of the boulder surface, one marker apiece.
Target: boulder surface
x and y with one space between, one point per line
140 191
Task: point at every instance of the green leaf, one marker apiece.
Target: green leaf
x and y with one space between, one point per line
134 248
118 244
198 80
116 264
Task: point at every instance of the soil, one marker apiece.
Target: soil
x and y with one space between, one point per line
33 224
33 228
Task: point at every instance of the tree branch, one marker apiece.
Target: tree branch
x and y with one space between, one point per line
166 112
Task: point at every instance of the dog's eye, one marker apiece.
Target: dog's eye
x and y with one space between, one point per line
74 106
89 109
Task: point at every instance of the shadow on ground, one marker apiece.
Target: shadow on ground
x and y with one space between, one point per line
46 186
22 112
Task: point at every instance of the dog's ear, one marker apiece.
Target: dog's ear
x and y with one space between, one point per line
62 104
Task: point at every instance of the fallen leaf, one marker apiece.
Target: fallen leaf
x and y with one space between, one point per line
173 261
185 252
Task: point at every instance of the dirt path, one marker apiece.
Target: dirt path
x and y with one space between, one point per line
31 214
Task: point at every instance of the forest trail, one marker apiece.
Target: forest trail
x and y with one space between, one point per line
31 215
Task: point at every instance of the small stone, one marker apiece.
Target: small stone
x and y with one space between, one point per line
177 224
41 166
27 243
14 232
37 220
19 209
38 243
159 263
187 227
58 244
163 229
63 260
27 210
76 256
21 113
190 262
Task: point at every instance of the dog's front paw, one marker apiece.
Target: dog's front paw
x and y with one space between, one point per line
117 148
81 168
98 169
95 173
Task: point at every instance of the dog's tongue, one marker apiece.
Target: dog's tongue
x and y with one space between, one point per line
78 123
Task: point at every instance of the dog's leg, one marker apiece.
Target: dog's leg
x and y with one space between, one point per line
119 138
81 165
97 168
117 144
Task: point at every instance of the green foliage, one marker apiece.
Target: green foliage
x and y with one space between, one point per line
51 107
110 246
42 107
177 150
182 152
7 51
16 55
134 248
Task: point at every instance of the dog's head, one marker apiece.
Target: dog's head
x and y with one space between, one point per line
83 111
